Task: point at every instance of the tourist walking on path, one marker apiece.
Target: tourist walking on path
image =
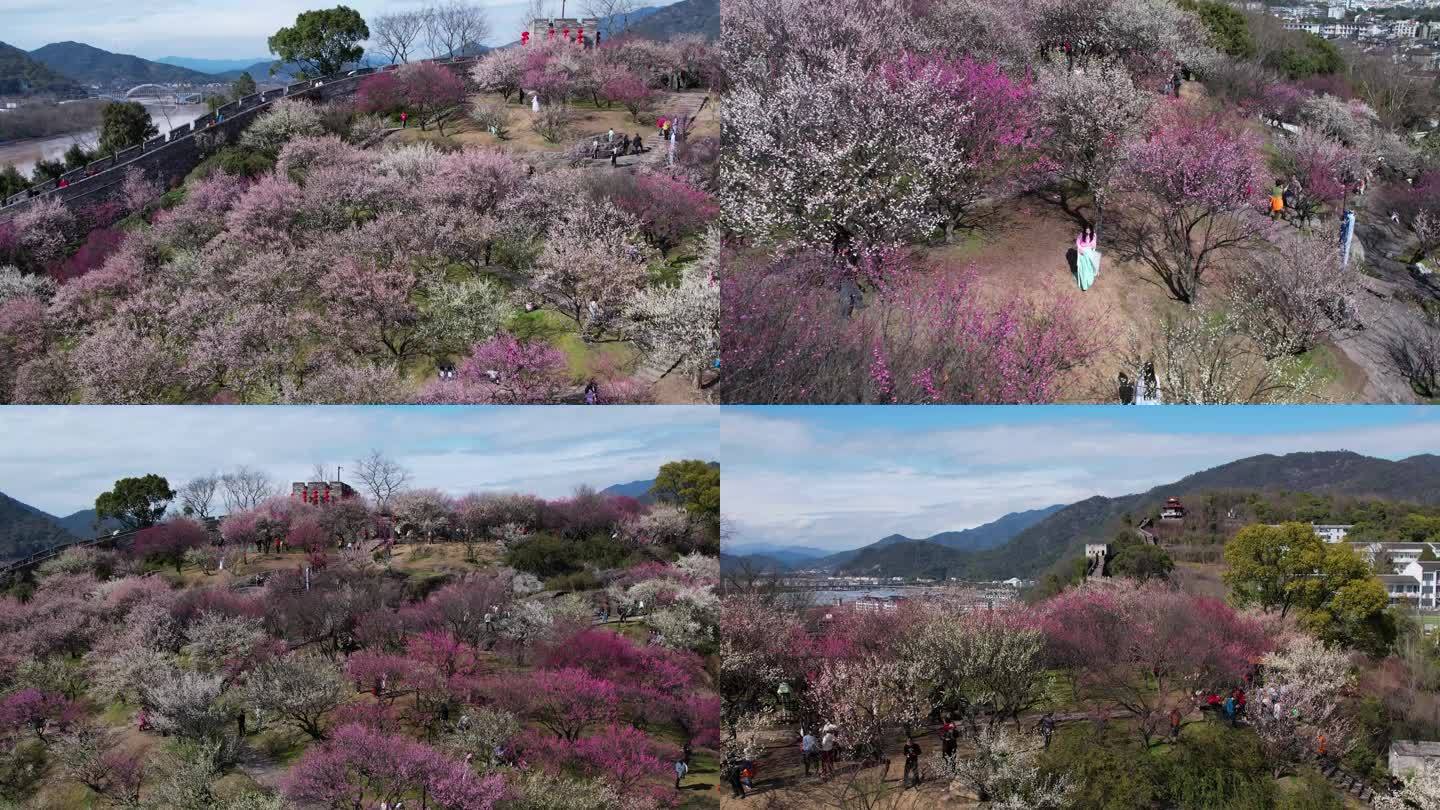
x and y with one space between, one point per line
827 751
1047 727
1277 201
949 741
404 120
912 764
809 750
680 770
1174 725
1087 258
732 775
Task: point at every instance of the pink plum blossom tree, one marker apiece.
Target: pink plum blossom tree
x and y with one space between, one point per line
1196 189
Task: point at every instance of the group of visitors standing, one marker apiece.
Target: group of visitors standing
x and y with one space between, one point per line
610 147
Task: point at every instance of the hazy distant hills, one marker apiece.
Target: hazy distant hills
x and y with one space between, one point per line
887 551
685 17
20 75
1415 479
213 65
25 529
92 66
1063 531
639 490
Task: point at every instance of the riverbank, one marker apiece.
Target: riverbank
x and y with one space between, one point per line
24 154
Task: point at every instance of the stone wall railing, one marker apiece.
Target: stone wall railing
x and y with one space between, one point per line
170 156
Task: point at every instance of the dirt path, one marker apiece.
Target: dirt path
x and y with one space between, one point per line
1023 251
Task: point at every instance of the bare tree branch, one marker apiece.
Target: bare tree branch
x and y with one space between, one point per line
382 477
396 33
245 488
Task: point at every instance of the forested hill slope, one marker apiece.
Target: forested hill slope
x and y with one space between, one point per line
25 529
94 66
685 17
21 75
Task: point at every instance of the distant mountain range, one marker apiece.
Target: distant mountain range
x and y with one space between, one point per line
20 75
25 529
685 17
639 490
774 557
1062 532
213 65
112 71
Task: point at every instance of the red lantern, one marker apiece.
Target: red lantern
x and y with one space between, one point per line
565 33
524 38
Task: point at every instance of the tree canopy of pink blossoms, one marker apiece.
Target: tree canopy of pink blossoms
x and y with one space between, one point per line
1145 648
1197 188
170 540
987 122
359 767
566 702
505 371
36 712
927 340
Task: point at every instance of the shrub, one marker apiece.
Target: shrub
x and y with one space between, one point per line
288 118
493 115
553 122
544 556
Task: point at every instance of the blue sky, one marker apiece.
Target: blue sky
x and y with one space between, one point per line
209 29
841 477
59 458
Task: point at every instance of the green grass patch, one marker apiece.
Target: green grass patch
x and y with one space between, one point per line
561 332
1322 361
117 714
280 744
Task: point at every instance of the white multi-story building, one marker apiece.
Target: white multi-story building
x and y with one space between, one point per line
1392 557
1335 12
1400 588
1300 25
1344 30
1427 575
1332 532
1405 29
877 604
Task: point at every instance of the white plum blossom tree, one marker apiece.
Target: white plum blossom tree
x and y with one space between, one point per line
286 119
1292 293
827 158
1004 770
1306 683
680 322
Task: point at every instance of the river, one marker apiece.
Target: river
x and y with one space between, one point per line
25 154
847 596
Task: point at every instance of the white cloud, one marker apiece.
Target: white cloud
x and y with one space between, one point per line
841 483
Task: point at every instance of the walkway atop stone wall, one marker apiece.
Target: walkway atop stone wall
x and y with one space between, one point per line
174 154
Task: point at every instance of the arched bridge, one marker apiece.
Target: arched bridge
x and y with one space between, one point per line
160 91
171 156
